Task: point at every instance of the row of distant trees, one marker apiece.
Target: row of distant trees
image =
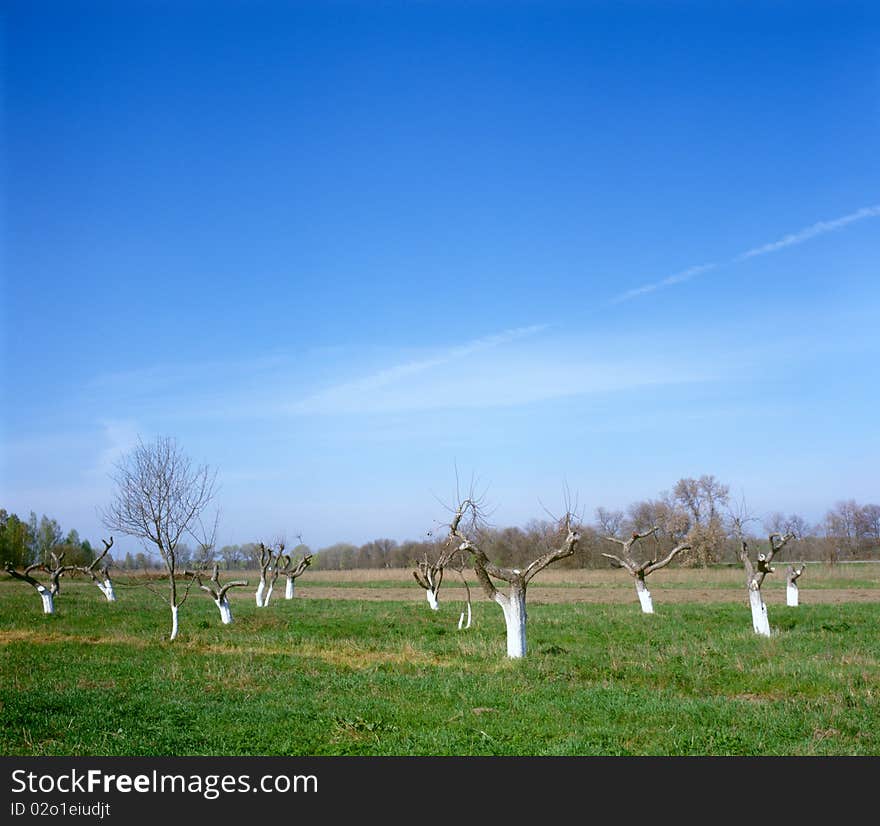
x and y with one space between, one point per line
24 542
698 509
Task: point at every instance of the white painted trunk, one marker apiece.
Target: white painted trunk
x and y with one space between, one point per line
760 622
261 588
107 590
514 607
644 597
48 600
461 622
225 610
791 595
174 625
288 589
268 595
431 596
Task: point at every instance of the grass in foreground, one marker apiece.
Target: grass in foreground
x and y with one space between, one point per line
320 677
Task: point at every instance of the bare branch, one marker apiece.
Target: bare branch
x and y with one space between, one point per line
792 573
567 548
656 566
26 576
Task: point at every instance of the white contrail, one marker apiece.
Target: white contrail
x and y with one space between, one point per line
819 228
383 378
794 238
684 275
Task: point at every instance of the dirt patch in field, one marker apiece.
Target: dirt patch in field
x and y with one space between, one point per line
607 596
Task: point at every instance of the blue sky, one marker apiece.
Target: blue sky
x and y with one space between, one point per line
339 249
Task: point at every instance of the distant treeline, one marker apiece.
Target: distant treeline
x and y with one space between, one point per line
698 510
25 542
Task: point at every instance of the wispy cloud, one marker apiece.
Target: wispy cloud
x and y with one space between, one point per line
794 238
340 395
495 376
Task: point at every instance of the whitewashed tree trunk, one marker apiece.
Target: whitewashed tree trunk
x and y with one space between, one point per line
225 610
791 587
430 575
461 621
268 594
174 624
288 589
106 588
48 600
47 595
760 621
755 573
514 607
261 589
644 597
218 591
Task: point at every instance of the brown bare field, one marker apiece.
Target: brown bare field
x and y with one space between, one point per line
820 584
539 595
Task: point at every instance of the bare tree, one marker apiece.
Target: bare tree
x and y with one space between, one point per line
640 570
105 585
792 574
609 522
45 593
56 570
266 557
273 563
293 570
160 498
852 528
701 501
273 571
218 591
465 538
430 576
755 573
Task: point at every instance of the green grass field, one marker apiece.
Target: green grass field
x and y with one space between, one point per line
319 676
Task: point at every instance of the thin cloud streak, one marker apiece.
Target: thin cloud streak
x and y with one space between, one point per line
678 278
819 228
332 396
812 231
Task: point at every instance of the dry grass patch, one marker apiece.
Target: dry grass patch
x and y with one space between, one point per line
350 654
38 637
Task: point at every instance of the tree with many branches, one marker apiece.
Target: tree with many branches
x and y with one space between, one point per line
160 498
464 536
640 570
